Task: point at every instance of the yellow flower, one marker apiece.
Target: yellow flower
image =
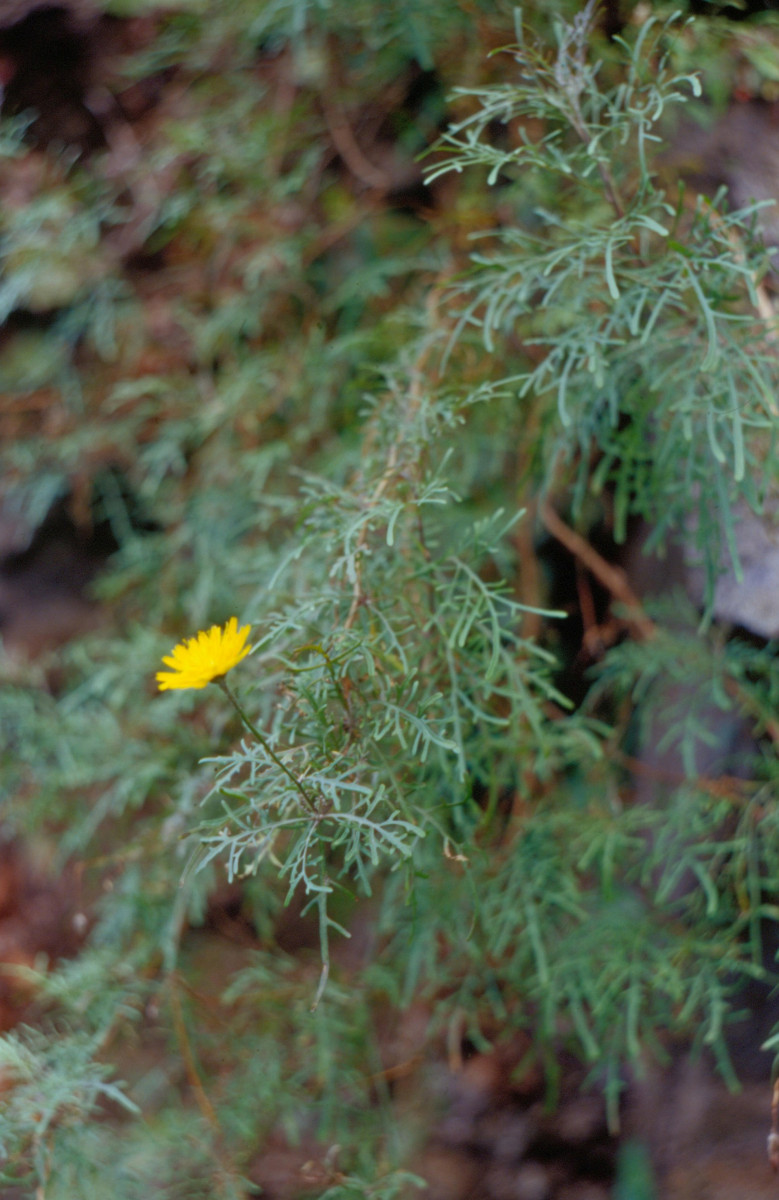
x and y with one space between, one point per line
199 660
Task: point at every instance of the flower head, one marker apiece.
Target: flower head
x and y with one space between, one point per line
199 660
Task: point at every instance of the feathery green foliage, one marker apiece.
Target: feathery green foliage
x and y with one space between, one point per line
338 419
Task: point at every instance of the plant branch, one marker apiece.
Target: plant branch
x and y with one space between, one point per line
306 798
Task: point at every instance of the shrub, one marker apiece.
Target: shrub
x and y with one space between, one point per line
339 418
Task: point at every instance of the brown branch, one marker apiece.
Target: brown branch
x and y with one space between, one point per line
615 581
728 787
346 144
612 578
194 1080
185 1046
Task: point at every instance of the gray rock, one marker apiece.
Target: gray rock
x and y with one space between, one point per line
752 600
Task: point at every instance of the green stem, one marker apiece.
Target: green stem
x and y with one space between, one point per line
231 696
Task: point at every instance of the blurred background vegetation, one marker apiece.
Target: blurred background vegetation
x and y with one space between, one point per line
437 342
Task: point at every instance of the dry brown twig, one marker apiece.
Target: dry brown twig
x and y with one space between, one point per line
612 578
349 149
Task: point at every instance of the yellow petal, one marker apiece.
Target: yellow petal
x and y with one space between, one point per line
197 661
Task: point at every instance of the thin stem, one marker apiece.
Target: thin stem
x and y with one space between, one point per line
231 696
580 127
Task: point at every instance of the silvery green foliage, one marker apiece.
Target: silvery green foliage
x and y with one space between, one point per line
641 307
350 459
